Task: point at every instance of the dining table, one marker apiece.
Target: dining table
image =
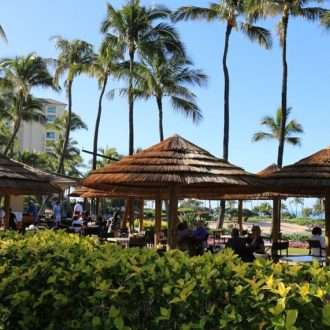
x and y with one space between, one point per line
304 259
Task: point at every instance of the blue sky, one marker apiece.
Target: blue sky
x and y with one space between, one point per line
255 76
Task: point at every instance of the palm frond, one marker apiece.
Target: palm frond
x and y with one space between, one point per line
261 136
258 34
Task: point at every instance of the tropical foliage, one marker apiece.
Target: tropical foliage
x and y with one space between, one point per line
75 283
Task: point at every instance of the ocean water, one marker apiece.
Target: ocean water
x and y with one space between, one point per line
314 217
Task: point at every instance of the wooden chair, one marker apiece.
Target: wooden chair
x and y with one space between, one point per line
314 244
277 248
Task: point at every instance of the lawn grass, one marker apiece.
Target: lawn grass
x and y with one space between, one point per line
298 251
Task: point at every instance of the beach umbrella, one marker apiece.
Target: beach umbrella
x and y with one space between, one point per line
16 179
173 169
309 177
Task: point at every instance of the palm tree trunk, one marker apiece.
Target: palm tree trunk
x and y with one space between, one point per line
221 217
226 95
285 20
160 118
17 124
68 129
98 119
131 106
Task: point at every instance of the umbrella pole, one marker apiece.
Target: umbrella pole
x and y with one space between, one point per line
131 214
158 217
7 211
141 209
172 216
327 223
240 216
276 220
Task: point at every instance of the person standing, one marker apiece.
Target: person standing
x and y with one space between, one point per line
32 210
57 213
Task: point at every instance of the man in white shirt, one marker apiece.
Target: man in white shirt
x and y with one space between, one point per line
78 208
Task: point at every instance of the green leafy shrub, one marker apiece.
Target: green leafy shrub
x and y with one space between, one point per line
60 281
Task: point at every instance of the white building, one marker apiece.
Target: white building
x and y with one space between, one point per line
34 136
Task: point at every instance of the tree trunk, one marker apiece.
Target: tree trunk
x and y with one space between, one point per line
131 106
60 169
285 20
221 218
160 117
98 119
17 124
226 96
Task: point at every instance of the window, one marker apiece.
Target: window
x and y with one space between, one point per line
50 135
50 119
51 110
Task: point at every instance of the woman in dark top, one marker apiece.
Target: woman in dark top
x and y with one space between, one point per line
255 243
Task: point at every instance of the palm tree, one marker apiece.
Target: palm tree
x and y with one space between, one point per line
21 74
75 57
111 51
294 8
274 126
32 111
3 34
166 76
226 11
133 24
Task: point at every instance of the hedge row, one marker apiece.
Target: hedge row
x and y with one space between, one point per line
61 281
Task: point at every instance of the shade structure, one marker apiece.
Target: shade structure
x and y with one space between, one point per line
16 179
309 177
173 169
174 162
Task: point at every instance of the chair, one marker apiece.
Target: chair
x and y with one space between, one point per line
279 247
137 242
314 244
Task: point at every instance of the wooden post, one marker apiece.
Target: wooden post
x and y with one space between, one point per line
7 211
97 209
240 216
131 214
141 209
172 216
327 223
276 226
158 219
125 217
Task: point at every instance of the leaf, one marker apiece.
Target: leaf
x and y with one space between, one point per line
326 315
291 317
165 312
304 290
279 308
175 300
113 311
96 321
119 323
282 290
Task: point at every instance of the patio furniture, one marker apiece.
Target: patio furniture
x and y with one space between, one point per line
304 259
277 248
314 244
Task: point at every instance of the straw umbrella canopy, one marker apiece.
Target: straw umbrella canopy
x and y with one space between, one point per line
173 169
16 179
308 177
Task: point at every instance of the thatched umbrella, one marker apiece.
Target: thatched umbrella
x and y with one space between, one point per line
173 169
16 179
308 177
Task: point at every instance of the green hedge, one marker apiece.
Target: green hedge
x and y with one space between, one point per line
59 281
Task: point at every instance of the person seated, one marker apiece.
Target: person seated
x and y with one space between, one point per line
197 242
84 230
255 243
237 243
12 221
317 236
77 220
86 217
183 234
